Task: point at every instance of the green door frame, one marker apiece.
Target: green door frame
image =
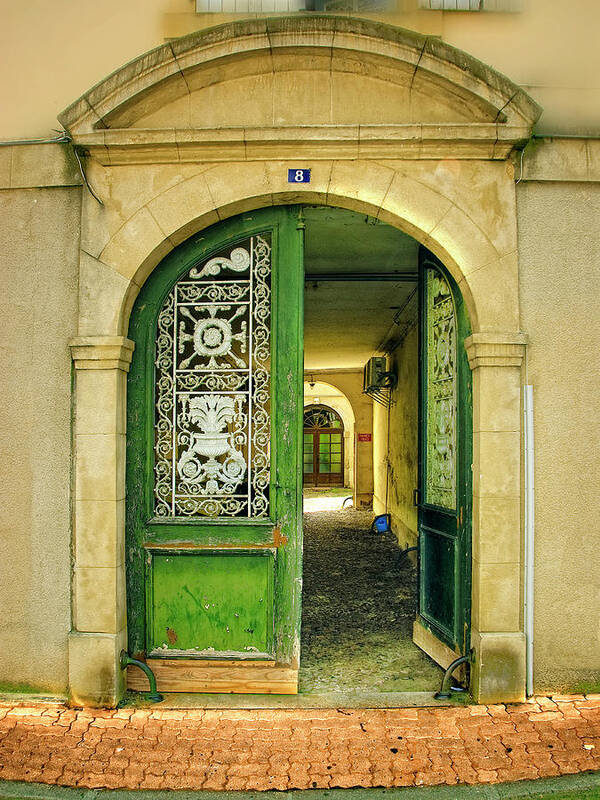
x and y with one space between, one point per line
279 534
445 536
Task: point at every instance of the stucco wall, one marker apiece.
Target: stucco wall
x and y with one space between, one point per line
559 241
39 240
403 444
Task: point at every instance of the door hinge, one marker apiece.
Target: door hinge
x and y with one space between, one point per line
279 540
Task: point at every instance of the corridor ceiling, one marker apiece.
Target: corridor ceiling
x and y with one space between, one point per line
345 321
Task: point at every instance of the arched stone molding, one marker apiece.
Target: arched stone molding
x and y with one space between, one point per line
422 67
338 401
488 281
482 260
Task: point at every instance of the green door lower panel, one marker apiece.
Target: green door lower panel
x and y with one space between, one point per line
214 604
437 597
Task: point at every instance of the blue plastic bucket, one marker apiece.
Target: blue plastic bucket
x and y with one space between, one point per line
381 523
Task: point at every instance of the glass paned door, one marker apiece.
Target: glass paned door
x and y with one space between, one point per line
323 447
309 457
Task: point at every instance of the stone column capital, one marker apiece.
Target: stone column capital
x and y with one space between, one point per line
495 349
102 352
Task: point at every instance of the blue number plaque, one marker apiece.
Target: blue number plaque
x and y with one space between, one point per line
298 176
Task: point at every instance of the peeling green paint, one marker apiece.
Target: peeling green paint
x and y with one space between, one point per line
258 568
445 514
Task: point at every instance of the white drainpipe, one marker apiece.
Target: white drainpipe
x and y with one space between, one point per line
529 532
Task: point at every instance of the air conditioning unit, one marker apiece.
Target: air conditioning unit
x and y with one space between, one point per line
375 374
378 381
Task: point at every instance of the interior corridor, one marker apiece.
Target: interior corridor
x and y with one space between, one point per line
358 609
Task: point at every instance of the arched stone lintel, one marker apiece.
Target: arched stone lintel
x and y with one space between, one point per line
482 261
174 65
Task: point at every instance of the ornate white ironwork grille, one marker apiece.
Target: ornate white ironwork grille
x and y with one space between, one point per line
212 399
440 485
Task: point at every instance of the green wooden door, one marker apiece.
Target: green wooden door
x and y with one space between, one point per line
214 452
445 455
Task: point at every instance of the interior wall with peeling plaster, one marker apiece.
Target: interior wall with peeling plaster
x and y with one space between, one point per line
395 445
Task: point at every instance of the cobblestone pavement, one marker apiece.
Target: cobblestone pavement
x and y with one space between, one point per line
358 609
292 749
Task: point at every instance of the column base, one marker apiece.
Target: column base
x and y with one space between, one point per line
498 671
363 499
95 676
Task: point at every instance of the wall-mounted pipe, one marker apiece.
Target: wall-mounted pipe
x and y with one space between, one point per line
62 138
125 660
529 533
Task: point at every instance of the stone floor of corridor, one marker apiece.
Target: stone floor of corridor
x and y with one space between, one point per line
298 749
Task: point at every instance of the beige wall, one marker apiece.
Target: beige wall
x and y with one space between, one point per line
549 49
402 454
559 243
39 242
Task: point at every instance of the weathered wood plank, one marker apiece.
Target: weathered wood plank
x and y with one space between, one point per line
191 675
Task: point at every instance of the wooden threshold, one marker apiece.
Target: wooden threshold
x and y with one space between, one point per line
232 677
430 644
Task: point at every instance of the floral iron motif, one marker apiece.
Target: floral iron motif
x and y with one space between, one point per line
238 261
212 413
212 337
440 485
212 399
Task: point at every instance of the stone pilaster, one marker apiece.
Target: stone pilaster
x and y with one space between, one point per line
497 638
99 600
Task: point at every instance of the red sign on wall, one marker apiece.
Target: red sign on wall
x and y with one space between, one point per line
364 437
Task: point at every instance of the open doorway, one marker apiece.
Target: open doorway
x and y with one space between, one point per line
361 587
233 511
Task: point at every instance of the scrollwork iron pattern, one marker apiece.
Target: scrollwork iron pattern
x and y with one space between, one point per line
212 395
440 485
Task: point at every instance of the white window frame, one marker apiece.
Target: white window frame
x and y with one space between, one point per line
472 5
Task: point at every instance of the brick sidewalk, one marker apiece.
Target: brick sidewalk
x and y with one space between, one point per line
298 749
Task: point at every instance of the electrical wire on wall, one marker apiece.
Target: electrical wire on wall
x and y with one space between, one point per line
84 176
63 138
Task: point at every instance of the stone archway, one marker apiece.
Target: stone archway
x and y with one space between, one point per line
447 183
329 395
